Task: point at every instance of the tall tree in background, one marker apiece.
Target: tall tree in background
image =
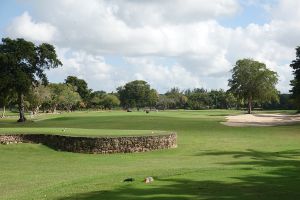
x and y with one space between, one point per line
134 94
164 102
22 63
198 99
178 97
153 98
95 99
80 86
37 96
295 83
109 101
63 96
252 81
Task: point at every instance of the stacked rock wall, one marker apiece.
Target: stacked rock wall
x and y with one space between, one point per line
96 144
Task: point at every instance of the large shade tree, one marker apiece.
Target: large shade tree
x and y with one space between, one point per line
295 83
252 81
6 96
135 94
153 98
22 65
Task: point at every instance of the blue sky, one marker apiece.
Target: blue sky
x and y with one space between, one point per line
250 13
109 43
9 9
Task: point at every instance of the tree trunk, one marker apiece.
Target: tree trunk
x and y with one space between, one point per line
21 108
3 112
36 110
54 108
249 105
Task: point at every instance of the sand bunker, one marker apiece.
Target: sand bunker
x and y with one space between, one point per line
261 120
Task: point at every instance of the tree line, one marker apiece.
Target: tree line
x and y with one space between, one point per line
24 85
74 94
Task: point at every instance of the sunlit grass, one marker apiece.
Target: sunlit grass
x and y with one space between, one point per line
212 161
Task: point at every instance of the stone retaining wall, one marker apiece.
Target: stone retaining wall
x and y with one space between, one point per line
96 144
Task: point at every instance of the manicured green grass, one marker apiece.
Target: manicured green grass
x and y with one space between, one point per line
9 113
80 132
212 161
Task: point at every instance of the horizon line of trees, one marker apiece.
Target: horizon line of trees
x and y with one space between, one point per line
74 94
23 82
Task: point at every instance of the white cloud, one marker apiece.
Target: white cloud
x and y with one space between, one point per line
24 26
163 76
97 26
287 10
91 68
156 12
201 50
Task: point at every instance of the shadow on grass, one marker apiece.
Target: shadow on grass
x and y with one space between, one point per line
281 180
254 154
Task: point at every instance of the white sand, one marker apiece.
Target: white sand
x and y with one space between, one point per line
261 120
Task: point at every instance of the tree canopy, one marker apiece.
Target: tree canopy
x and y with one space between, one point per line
136 94
109 101
179 99
37 97
22 64
80 85
252 81
295 83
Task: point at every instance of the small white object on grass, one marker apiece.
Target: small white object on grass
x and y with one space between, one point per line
149 179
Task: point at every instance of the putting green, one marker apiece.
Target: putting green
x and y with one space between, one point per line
80 132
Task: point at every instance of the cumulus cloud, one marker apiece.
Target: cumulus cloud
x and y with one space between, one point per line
287 10
156 12
196 50
163 76
98 26
92 68
24 26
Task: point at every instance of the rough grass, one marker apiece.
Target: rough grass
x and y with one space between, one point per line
212 161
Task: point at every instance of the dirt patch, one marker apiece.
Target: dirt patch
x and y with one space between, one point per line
261 120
